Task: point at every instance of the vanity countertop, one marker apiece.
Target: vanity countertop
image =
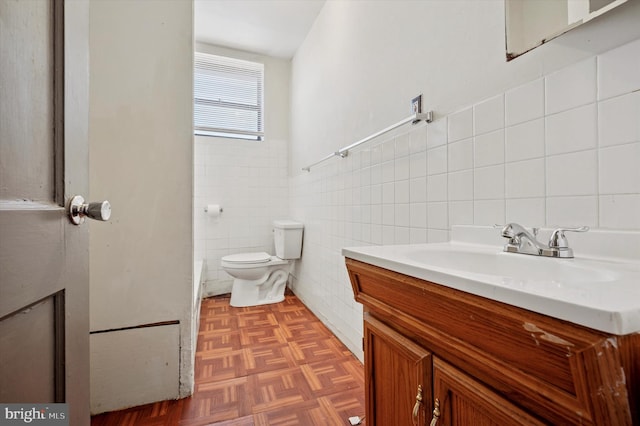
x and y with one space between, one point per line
602 293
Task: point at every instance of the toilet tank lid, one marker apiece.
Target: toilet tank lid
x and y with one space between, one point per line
287 224
259 257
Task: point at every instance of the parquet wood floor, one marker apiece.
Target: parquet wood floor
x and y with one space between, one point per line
265 365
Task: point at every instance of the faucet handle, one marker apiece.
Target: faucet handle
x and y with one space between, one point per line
558 240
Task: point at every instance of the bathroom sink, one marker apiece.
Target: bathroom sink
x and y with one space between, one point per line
603 294
509 267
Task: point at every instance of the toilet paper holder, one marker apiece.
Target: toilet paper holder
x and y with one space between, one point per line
206 209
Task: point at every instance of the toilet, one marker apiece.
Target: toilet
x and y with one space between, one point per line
259 278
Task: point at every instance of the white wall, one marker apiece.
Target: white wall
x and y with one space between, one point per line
141 160
550 138
247 178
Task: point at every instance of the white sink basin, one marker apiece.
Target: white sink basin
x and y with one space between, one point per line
508 266
600 294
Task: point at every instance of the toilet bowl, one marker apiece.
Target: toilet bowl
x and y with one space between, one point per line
259 278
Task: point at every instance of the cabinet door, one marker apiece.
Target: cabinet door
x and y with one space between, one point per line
397 370
464 401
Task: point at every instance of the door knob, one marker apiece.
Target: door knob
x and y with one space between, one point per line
78 210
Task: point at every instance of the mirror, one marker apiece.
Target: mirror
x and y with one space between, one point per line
531 23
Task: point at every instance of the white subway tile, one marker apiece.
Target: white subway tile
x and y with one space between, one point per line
526 211
418 190
461 213
525 141
376 154
619 70
388 214
460 125
402 235
571 87
460 155
402 214
619 170
620 211
376 174
388 171
365 194
437 160
418 236
365 176
402 145
388 193
525 179
488 212
365 214
388 234
437 133
524 103
619 120
388 150
402 168
376 194
401 191
365 157
437 187
489 149
460 186
418 164
437 235
488 115
488 183
418 215
418 139
572 211
572 174
572 130
437 215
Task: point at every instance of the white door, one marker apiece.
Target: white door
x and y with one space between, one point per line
44 277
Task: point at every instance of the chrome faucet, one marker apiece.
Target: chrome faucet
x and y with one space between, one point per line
521 241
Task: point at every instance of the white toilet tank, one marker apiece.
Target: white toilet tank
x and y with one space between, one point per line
287 235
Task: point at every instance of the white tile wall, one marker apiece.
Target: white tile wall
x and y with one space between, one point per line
249 180
619 71
524 103
571 130
525 141
461 125
488 115
561 150
571 87
619 119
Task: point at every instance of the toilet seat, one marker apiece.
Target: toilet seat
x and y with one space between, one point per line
259 257
251 261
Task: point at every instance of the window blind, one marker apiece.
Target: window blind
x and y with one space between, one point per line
228 97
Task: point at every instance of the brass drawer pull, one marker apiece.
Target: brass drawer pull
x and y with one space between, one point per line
416 407
436 413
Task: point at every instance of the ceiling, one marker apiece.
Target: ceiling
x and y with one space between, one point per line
269 27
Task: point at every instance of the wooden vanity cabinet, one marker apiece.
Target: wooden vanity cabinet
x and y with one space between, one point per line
485 362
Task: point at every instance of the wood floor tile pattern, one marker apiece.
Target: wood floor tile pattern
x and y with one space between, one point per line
257 366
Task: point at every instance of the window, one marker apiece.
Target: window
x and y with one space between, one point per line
228 100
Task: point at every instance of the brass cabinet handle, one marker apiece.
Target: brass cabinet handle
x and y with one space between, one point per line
416 407
436 413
